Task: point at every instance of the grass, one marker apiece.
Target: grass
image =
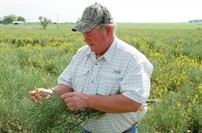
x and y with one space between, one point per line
31 58
128 26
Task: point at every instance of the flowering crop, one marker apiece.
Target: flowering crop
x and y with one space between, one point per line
32 58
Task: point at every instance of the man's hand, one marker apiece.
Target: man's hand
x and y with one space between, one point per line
39 93
75 100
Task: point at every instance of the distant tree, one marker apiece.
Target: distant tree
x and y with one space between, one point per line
19 18
1 22
44 21
9 19
195 21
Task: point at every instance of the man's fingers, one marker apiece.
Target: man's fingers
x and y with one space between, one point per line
36 95
33 99
75 100
71 106
31 93
68 100
67 95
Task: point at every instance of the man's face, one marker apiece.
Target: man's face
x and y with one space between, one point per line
97 40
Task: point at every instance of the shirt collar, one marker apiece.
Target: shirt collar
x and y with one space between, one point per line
108 55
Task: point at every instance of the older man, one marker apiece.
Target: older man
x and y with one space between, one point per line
107 74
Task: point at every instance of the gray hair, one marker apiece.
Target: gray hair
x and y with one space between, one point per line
101 26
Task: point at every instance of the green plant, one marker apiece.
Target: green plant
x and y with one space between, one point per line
52 115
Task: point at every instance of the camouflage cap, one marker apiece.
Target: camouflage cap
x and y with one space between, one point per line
92 16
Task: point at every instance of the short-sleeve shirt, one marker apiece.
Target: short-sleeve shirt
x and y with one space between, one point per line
121 70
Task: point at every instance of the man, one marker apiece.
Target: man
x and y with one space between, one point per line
107 75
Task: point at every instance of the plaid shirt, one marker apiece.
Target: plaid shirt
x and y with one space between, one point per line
121 70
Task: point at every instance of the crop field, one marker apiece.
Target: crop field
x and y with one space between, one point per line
31 58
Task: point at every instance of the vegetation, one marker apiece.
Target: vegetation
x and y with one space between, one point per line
20 18
196 21
62 120
10 18
32 58
44 21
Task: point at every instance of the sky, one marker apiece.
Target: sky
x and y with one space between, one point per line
137 11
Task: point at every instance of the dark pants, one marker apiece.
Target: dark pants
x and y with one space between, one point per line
131 130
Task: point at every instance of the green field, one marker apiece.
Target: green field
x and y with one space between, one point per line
145 26
31 57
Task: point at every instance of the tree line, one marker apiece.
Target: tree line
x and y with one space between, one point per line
11 18
196 21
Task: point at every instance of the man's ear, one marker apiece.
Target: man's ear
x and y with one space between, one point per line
108 29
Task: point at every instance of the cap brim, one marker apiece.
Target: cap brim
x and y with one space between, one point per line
83 27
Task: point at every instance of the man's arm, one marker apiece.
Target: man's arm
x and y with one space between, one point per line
111 104
61 89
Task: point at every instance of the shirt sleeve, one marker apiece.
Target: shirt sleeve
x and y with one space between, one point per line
136 83
66 76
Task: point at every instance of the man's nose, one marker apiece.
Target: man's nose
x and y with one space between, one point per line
86 38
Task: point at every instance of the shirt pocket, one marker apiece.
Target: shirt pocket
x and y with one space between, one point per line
109 84
80 80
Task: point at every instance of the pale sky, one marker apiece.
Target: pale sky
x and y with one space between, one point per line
138 11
